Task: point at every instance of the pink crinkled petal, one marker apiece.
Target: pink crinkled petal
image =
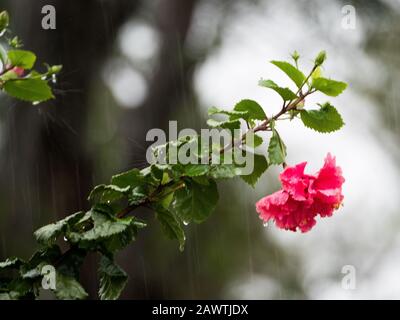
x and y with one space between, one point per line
330 196
273 205
295 181
322 208
330 175
302 218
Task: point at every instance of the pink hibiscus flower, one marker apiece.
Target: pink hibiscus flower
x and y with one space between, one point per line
303 196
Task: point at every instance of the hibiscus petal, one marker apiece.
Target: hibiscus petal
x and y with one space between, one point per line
295 181
330 175
273 205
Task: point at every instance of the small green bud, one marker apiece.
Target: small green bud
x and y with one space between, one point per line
321 57
55 69
295 55
4 20
15 42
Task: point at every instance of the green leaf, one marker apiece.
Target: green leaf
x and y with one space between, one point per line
326 119
105 227
330 87
44 256
233 114
157 172
6 296
131 178
152 175
9 75
194 170
48 234
139 195
276 149
230 125
201 180
224 171
112 279
196 201
214 110
33 90
108 233
22 58
317 73
252 108
285 93
226 167
257 140
166 178
171 225
71 262
11 263
68 288
19 289
260 166
167 200
118 241
35 75
107 193
292 72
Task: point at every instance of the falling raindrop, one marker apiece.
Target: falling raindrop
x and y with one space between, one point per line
185 223
65 239
54 78
35 103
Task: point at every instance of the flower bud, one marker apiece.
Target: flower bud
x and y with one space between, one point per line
56 69
18 71
321 57
295 56
4 20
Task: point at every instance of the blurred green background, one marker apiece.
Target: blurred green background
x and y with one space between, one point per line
130 66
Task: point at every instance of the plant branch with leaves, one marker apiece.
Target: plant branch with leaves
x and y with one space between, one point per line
177 193
17 76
